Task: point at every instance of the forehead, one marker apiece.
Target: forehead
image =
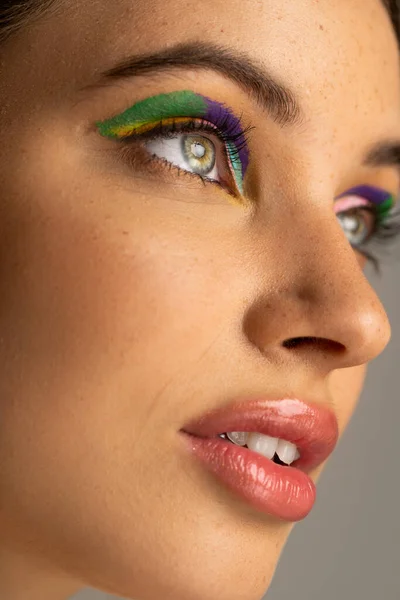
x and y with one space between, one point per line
334 42
340 57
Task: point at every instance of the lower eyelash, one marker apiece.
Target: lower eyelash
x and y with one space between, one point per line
385 234
203 178
150 159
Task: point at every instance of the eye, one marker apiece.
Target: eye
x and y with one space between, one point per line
202 155
362 211
367 216
198 136
358 224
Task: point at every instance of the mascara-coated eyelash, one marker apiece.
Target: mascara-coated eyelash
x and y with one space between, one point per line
386 232
166 110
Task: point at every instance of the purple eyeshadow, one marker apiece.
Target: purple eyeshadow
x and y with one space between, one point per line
371 193
219 113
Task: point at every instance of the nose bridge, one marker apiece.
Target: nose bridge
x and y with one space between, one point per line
325 267
322 263
321 292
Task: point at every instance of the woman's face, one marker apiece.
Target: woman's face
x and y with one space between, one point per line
135 296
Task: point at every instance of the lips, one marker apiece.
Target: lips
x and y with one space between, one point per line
312 428
285 492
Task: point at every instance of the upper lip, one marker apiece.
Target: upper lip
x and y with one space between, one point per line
312 427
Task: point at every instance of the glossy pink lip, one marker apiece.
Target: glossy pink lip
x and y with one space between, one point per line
286 492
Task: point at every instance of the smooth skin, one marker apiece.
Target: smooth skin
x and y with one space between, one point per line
133 302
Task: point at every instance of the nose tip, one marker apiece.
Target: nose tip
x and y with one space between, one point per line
328 314
331 337
370 333
359 344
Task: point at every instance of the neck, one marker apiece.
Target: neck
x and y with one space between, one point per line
23 577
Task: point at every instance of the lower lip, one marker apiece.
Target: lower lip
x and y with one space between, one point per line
283 492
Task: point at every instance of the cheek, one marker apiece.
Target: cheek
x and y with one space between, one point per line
100 293
102 318
94 294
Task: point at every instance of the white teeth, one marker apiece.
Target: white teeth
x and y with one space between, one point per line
238 437
286 451
263 444
266 445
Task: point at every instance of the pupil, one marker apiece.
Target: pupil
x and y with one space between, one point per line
198 150
352 224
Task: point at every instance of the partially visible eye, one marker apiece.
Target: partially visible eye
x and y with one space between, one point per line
358 224
366 216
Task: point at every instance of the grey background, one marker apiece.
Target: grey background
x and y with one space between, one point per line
348 548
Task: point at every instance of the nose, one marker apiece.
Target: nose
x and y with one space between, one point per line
315 303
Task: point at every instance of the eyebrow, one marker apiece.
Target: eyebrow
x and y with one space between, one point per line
277 99
384 154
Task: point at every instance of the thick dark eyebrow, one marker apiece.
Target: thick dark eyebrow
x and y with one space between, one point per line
279 101
384 154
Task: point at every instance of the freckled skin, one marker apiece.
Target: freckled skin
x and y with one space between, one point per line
131 304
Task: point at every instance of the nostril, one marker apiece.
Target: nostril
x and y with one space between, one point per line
322 343
300 341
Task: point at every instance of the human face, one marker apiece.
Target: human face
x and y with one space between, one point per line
135 298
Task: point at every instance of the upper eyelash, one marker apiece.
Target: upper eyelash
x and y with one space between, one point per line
223 131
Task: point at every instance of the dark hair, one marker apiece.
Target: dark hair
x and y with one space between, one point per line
15 14
394 11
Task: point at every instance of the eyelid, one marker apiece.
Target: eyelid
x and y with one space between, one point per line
173 105
348 202
150 126
382 200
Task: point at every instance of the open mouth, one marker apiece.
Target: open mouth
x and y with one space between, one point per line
279 451
247 444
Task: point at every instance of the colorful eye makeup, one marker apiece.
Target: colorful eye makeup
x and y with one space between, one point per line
205 138
384 201
350 208
181 108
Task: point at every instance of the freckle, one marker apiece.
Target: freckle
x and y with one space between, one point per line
321 27
222 31
125 232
